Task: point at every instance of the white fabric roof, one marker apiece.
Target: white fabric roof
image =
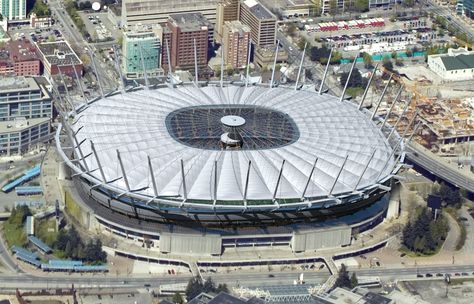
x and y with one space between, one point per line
134 124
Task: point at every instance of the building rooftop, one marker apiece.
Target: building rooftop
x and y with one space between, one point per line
18 50
58 53
258 10
459 62
191 21
237 27
19 83
21 124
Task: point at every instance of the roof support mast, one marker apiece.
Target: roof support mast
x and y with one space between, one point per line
222 65
91 54
196 77
391 107
79 84
127 185
365 169
101 170
185 192
215 182
399 119
119 70
309 179
278 181
301 66
338 174
325 73
381 97
274 64
247 183
152 176
142 60
361 103
248 64
170 68
348 79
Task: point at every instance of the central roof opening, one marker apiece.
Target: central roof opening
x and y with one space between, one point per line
209 126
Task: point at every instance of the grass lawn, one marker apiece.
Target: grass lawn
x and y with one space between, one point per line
14 235
46 231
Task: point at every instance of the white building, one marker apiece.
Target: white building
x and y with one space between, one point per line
456 65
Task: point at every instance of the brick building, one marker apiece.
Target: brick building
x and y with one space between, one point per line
59 55
179 34
19 58
236 39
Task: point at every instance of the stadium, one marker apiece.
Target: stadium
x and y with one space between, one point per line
228 160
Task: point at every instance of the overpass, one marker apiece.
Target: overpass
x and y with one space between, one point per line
424 158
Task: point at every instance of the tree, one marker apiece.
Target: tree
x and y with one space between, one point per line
399 62
308 74
177 298
343 279
333 7
209 285
194 288
301 43
356 80
362 5
316 8
394 55
40 9
368 61
387 63
222 288
354 281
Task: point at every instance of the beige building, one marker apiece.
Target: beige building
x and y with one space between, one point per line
236 39
265 56
157 11
262 22
227 10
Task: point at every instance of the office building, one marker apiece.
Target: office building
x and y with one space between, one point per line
381 3
142 43
227 10
58 55
19 58
236 41
25 114
13 9
179 35
456 65
262 22
158 11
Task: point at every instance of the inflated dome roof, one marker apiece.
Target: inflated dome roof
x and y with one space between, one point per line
185 126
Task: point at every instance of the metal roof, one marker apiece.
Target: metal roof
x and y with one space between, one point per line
134 123
459 62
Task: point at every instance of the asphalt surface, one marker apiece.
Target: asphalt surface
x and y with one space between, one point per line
444 171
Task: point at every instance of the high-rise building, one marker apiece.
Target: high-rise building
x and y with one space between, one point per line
236 40
227 10
262 22
142 43
179 35
13 9
141 12
25 114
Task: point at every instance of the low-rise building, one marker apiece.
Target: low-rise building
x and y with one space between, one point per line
265 56
456 65
59 55
19 58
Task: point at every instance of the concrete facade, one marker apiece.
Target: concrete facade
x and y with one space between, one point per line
227 10
262 22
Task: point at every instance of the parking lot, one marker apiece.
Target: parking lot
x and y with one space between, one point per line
99 27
